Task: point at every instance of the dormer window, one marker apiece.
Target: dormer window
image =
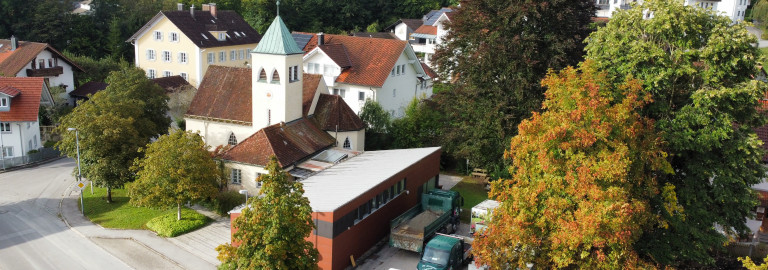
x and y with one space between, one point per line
4 102
263 75
222 36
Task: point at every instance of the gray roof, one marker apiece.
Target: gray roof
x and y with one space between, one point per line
278 40
433 15
338 185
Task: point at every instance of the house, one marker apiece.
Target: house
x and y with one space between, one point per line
360 68
424 34
32 59
186 43
733 9
271 109
20 101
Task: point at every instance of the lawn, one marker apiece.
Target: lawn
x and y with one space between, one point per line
122 215
473 191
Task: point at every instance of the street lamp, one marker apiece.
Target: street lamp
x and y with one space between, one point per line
244 192
79 177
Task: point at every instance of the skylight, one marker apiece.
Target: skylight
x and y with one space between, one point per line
204 36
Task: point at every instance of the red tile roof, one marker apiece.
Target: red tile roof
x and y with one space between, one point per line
26 105
11 62
426 29
9 90
290 143
224 93
333 112
337 53
372 59
310 82
430 72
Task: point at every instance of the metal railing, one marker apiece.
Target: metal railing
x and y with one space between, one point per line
42 154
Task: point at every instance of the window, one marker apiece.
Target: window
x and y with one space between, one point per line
393 73
222 36
236 176
183 58
293 73
34 139
361 95
158 36
166 56
5 127
347 144
232 139
151 55
211 58
50 62
167 74
41 63
173 37
275 77
263 75
398 69
402 68
3 102
269 116
55 62
232 55
8 151
240 55
29 143
248 54
184 76
34 61
151 73
222 56
338 92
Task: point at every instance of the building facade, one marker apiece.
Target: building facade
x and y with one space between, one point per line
733 9
20 101
185 43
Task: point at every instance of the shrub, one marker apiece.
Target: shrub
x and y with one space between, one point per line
224 201
764 35
49 144
168 226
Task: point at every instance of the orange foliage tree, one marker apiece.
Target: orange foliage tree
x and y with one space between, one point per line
583 173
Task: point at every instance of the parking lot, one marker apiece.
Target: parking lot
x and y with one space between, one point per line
387 257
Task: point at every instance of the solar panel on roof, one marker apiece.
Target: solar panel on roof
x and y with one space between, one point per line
330 156
301 39
433 15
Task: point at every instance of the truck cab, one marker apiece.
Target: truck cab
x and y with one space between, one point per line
445 252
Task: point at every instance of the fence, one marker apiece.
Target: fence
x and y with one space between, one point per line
42 154
751 249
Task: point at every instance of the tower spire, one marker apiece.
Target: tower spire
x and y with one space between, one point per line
278 7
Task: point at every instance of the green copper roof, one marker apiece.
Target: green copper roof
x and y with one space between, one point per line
278 40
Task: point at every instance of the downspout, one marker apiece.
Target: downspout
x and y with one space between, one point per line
2 149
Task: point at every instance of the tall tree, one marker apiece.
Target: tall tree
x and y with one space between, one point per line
113 125
697 66
497 52
271 230
420 127
377 126
583 174
175 169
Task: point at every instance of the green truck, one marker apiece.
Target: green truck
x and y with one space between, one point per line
437 212
445 252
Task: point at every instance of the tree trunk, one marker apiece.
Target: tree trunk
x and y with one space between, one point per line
178 211
109 194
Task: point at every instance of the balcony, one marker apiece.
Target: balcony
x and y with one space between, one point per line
45 72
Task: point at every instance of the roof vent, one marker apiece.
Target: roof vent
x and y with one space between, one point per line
320 38
192 11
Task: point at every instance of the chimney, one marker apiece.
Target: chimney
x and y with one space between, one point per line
206 7
14 43
213 10
320 38
180 6
192 11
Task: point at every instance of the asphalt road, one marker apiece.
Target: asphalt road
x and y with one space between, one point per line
32 234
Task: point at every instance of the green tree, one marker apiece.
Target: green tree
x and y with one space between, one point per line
696 66
497 52
95 70
377 125
583 172
113 125
176 168
420 127
271 230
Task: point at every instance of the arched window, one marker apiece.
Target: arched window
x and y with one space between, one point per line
263 75
347 144
275 77
232 139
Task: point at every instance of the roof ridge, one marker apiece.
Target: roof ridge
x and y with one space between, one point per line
278 40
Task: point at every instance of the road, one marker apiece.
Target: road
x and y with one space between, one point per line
32 234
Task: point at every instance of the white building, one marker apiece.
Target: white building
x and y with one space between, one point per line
32 59
733 9
360 68
424 34
20 101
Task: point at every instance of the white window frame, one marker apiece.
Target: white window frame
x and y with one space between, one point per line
183 58
157 36
173 37
222 56
236 176
339 92
7 151
240 54
4 102
5 128
248 54
151 55
232 56
151 73
211 58
222 36
167 73
184 76
361 95
167 57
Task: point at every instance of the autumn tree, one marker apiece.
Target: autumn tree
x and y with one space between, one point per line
697 67
113 125
176 168
496 53
583 172
272 228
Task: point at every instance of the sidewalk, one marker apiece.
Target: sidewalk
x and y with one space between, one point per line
143 249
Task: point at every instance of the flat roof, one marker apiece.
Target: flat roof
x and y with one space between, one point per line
338 185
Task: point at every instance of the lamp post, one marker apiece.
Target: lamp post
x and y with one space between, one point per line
79 177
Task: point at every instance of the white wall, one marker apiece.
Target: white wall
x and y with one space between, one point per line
733 9
329 69
275 102
356 139
401 31
67 78
217 133
22 133
248 177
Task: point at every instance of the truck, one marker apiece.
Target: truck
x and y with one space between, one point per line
481 214
446 252
438 211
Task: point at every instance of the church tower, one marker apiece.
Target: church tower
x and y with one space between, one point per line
277 77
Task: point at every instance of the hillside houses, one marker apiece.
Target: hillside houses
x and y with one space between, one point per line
733 9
